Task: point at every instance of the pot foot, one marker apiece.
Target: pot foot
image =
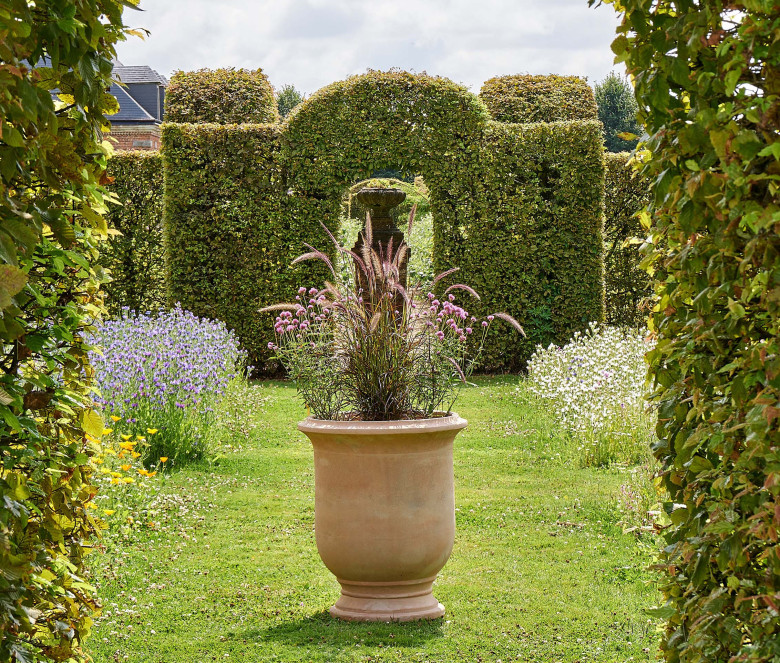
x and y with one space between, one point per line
387 602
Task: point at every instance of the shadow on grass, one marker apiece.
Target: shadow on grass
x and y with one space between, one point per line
322 630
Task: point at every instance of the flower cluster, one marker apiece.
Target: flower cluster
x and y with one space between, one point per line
165 372
597 384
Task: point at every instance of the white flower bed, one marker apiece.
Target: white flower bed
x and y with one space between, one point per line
596 383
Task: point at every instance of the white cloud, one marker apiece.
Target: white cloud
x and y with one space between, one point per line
311 43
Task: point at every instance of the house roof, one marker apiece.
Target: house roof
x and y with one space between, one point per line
129 109
138 74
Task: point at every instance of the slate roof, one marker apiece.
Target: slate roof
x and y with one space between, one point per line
129 109
138 74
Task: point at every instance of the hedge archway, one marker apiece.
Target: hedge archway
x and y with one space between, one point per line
416 123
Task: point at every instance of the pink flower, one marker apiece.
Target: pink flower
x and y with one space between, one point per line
301 290
469 330
440 335
491 318
452 298
484 323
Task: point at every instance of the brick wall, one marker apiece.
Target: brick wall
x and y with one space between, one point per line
144 137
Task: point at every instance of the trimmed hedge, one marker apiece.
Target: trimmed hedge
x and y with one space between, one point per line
711 113
536 249
223 96
526 98
413 123
231 229
242 200
628 287
136 258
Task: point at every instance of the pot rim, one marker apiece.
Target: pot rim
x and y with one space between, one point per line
453 421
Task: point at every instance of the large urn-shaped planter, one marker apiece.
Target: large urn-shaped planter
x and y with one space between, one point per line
384 512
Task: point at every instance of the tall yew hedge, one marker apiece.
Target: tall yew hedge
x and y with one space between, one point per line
135 257
707 79
536 249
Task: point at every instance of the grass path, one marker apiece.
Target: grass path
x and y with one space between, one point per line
541 571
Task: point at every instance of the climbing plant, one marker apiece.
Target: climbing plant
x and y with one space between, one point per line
51 220
708 88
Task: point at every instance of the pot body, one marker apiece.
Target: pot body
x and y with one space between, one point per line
384 512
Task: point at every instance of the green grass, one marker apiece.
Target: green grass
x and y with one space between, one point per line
541 569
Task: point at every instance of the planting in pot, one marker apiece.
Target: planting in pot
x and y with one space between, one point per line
379 365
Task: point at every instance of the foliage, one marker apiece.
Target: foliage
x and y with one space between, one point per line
135 257
369 348
286 99
51 205
240 203
596 384
160 378
617 112
628 287
526 98
711 112
537 252
223 96
227 224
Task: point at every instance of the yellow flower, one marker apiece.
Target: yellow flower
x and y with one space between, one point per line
108 431
125 467
97 461
135 454
115 480
126 437
163 459
90 505
109 452
127 446
114 418
140 438
151 431
116 474
109 512
128 480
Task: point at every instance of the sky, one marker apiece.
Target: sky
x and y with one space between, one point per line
310 43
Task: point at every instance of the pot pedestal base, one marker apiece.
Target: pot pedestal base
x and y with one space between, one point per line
403 601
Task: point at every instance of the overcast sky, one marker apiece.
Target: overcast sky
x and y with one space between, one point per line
310 43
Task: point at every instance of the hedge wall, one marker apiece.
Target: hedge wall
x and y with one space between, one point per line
526 98
136 258
628 287
231 229
712 114
223 96
536 250
242 200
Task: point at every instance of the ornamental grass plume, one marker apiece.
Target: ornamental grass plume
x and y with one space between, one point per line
165 373
368 348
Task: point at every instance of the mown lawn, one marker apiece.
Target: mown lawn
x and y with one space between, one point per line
541 569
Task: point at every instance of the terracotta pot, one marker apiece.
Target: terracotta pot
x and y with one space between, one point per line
384 512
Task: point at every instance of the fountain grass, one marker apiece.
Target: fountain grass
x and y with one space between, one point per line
541 569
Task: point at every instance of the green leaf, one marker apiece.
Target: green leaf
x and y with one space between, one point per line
92 423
